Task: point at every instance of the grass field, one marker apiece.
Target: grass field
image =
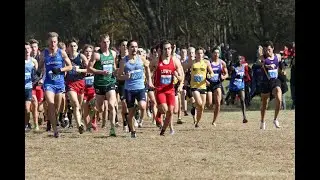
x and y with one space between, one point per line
231 150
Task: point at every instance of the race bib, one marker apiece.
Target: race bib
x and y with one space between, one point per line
89 80
53 76
136 74
108 67
215 77
273 73
27 76
198 78
237 82
240 74
166 79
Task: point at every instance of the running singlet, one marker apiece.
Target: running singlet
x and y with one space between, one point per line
237 79
198 74
53 62
106 63
163 77
136 69
28 68
73 75
217 69
272 73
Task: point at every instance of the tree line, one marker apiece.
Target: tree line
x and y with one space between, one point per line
243 23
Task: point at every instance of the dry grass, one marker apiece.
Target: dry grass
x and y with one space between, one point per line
231 150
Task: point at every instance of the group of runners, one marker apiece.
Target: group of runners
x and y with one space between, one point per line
63 83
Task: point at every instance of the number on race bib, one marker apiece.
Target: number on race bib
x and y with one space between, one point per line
166 79
89 80
27 76
215 78
53 76
108 67
136 74
198 78
273 73
237 82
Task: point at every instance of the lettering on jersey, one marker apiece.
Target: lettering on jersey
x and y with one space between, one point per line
53 63
215 69
106 62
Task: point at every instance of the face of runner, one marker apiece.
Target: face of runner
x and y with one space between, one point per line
124 47
216 54
73 47
268 51
105 43
53 42
155 53
167 50
183 53
133 48
27 50
199 54
35 48
88 52
192 54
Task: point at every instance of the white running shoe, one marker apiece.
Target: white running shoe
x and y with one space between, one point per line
136 123
276 123
263 125
148 114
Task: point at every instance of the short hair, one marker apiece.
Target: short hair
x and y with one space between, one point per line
73 39
27 44
191 49
86 46
104 36
268 43
162 43
200 48
129 42
33 41
52 35
121 41
61 45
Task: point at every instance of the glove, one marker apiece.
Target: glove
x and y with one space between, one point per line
56 70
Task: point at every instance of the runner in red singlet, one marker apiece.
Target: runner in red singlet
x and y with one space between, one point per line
166 66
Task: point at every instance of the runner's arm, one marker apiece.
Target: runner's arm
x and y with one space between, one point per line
121 75
224 74
209 68
179 69
68 66
84 61
90 69
146 64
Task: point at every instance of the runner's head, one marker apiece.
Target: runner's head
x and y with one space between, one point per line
165 47
215 53
199 53
87 51
34 46
123 46
268 48
53 40
62 46
191 53
183 52
133 47
104 41
73 45
154 52
27 49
